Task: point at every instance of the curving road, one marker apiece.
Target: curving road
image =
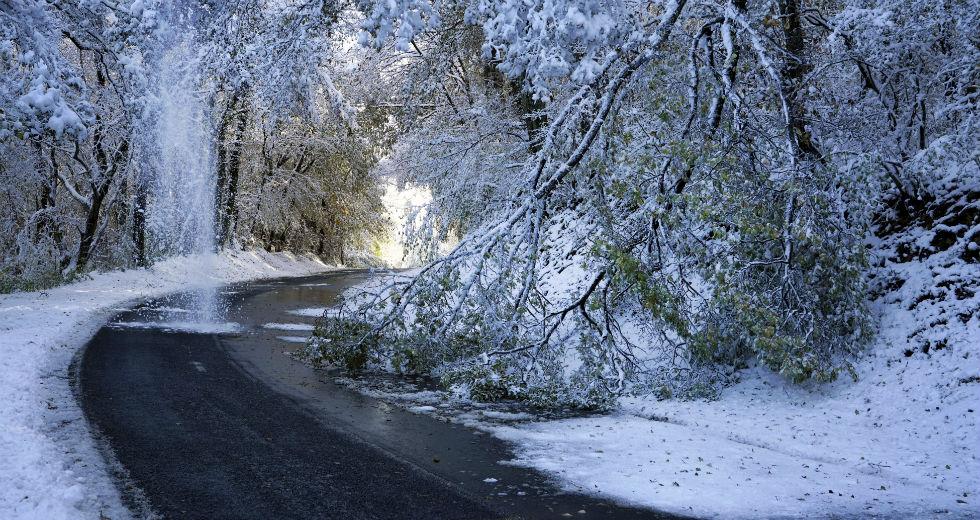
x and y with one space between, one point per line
216 426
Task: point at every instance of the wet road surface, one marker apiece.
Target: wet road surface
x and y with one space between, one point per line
227 425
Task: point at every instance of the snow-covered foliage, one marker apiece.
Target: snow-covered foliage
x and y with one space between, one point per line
294 153
308 186
648 196
82 89
71 97
900 442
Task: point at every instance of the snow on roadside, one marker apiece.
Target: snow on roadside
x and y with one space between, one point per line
766 450
902 441
50 467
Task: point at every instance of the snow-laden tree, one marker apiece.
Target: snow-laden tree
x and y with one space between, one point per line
42 91
82 89
293 152
691 187
308 186
72 92
270 67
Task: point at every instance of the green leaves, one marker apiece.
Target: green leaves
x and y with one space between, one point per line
342 341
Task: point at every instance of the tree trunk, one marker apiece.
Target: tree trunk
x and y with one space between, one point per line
91 225
107 168
49 194
222 173
795 67
139 225
534 118
229 215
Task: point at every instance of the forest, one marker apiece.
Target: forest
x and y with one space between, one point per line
706 257
660 190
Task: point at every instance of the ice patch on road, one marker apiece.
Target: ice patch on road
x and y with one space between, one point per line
311 312
288 326
314 312
293 339
197 327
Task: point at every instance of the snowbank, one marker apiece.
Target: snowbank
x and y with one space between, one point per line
766 449
49 466
902 441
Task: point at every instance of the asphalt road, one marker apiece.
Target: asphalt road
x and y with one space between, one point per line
216 426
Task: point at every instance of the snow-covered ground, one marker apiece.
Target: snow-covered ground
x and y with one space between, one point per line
902 441
50 468
768 449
